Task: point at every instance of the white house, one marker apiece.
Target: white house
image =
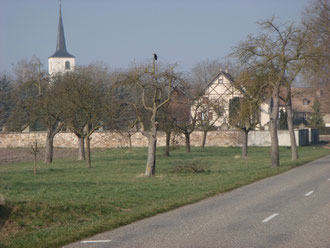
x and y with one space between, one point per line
213 105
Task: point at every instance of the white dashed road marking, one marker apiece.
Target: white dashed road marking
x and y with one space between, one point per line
270 217
94 241
309 193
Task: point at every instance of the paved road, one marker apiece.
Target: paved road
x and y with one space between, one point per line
287 210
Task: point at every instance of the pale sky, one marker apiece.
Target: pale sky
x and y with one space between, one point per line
119 32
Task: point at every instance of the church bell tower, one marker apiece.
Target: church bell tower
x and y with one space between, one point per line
61 61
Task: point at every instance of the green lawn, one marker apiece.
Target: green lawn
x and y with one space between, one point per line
66 201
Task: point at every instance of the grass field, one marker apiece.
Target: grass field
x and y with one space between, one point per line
66 201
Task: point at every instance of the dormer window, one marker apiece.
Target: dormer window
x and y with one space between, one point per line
67 65
305 102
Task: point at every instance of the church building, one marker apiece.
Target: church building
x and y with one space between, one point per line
61 61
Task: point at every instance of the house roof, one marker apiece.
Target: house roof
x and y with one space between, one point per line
182 90
226 74
309 94
61 51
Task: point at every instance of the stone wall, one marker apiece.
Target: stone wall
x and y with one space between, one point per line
115 139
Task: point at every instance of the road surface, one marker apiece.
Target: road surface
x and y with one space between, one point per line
288 210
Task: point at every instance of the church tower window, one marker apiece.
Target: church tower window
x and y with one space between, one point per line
67 65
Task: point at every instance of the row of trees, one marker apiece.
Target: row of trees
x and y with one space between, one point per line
274 58
147 97
92 98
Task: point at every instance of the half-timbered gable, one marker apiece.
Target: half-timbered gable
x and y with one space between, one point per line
213 105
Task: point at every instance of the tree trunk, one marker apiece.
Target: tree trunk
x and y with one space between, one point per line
151 162
245 142
204 138
35 164
187 136
49 147
294 150
52 130
88 152
275 156
130 141
168 141
81 148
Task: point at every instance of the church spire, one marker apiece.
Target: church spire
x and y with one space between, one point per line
61 51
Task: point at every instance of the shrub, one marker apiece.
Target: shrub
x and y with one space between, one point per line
194 166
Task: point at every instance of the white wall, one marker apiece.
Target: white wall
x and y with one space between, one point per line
56 65
262 138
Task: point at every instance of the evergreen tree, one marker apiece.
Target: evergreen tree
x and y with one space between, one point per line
316 119
282 122
5 99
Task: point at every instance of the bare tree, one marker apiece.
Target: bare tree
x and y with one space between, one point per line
49 114
173 112
204 71
82 95
208 115
274 51
155 87
244 111
316 20
37 102
35 151
166 124
186 119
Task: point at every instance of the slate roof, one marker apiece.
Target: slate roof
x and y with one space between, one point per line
310 93
61 51
226 74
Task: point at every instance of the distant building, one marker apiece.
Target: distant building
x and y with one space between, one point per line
303 100
61 61
213 105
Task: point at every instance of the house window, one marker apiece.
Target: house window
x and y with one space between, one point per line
202 116
67 65
219 111
305 101
220 80
205 100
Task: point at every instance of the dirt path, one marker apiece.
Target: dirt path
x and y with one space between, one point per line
14 155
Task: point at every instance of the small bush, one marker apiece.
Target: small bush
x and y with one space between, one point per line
195 166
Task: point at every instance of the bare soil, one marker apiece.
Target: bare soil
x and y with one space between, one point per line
15 155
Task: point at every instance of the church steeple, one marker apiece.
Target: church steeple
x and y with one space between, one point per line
61 61
61 51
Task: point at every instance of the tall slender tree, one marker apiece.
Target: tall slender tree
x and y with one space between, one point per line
276 50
